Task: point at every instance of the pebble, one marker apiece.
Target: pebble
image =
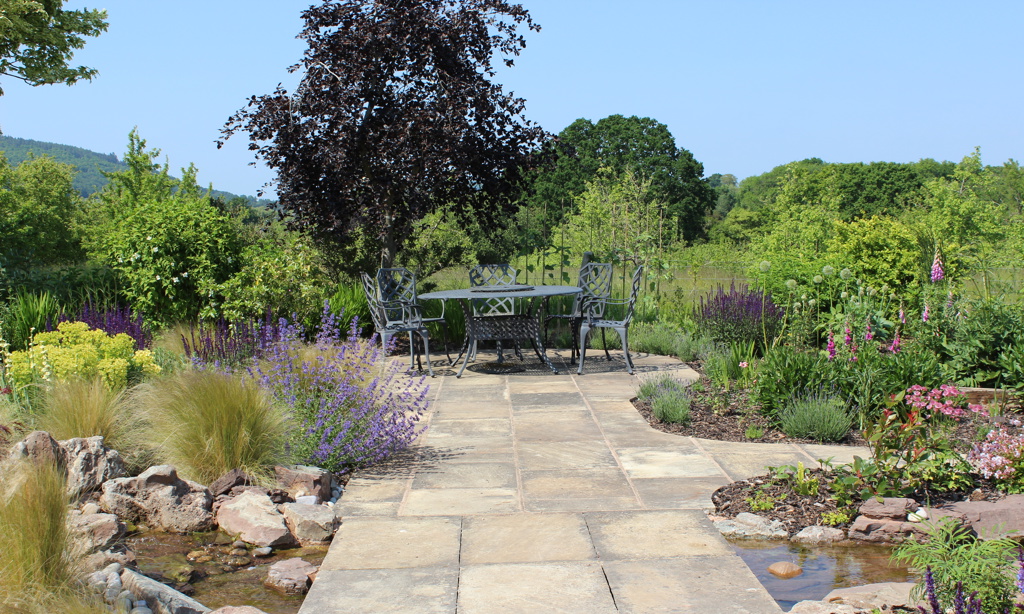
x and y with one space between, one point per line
238 544
141 610
308 500
239 552
785 570
195 555
238 561
265 551
123 604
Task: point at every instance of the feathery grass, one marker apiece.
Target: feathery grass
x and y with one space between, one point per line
206 423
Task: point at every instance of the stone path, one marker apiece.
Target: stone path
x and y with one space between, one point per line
535 492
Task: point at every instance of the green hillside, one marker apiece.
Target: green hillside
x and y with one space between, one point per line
90 164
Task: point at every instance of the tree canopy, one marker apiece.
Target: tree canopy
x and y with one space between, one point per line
38 39
639 144
395 115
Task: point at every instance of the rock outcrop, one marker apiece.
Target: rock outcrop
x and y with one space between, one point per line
160 498
254 519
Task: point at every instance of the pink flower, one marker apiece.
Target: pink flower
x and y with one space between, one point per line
924 314
831 346
903 316
744 365
937 273
848 338
868 335
894 347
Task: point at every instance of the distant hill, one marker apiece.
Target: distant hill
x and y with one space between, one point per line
89 164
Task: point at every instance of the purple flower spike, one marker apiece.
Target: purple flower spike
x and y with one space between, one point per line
937 273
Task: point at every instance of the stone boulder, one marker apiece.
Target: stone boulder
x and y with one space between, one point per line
883 530
162 499
224 484
39 448
254 519
989 519
311 524
884 596
892 508
90 464
290 576
819 535
162 598
100 531
751 526
300 480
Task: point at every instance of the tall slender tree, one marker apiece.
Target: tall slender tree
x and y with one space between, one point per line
396 114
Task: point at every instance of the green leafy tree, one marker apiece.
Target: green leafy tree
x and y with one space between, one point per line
396 111
638 144
38 207
38 40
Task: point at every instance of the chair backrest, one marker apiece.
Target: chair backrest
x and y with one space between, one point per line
596 282
634 292
493 275
397 284
373 301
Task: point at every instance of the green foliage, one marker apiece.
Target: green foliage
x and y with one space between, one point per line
753 432
836 518
761 501
654 386
641 146
170 246
349 301
75 350
206 423
800 480
880 251
26 315
443 238
957 557
280 278
38 39
38 553
672 406
817 416
732 363
38 208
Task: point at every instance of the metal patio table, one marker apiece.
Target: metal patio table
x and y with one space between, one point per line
520 327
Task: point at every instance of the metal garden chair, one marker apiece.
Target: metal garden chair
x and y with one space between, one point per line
594 311
391 318
492 275
399 284
595 280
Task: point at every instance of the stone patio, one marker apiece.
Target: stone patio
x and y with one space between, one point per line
535 492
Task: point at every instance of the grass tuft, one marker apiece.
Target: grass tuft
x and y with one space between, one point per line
817 416
210 422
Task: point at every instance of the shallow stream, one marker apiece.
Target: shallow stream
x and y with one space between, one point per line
221 580
825 568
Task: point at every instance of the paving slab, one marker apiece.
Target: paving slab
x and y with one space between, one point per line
564 588
534 492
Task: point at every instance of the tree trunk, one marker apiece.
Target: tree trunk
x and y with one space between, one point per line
388 248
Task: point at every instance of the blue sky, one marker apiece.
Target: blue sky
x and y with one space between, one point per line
744 85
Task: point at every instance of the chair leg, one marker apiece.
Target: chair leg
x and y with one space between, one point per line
604 342
426 352
584 331
624 335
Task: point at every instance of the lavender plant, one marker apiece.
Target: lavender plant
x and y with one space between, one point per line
353 407
229 344
740 315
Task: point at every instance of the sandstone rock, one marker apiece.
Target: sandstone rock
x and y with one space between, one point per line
881 530
255 519
162 499
90 508
290 576
105 558
301 480
238 609
894 508
39 448
989 519
785 570
883 596
162 598
752 526
99 530
819 535
311 524
224 484
820 607
90 464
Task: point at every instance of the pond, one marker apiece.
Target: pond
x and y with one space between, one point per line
224 579
825 567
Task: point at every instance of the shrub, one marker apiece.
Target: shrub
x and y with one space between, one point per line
672 406
656 386
86 408
207 422
38 554
1000 458
818 415
957 558
75 350
740 315
351 406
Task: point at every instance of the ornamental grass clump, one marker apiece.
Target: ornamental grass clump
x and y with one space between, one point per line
740 315
816 415
352 406
206 422
38 553
86 408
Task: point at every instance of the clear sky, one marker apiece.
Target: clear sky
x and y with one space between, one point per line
744 85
